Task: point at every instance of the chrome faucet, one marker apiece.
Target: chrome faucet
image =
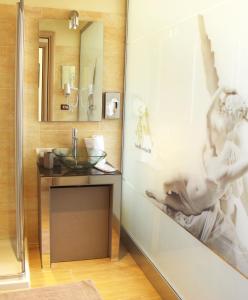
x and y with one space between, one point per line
74 142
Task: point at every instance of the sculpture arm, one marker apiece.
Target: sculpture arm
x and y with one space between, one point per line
215 99
214 106
232 172
171 200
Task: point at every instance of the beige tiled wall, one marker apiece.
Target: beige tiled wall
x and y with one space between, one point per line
52 134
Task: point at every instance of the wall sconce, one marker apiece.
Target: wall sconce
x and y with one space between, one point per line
67 92
68 89
74 20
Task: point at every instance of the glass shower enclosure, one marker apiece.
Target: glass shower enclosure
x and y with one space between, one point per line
12 258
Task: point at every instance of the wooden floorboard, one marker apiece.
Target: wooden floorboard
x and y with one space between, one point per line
121 280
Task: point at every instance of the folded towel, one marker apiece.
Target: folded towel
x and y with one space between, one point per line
105 167
94 144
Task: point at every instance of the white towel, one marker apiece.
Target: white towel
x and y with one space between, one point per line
95 145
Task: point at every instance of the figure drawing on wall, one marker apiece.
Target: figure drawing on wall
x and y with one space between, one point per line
143 135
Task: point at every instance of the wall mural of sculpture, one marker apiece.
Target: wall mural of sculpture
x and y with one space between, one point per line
210 206
200 141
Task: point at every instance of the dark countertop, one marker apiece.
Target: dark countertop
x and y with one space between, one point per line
60 171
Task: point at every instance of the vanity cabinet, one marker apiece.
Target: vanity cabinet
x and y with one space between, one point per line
79 222
79 215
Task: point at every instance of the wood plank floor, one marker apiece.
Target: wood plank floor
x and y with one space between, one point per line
122 280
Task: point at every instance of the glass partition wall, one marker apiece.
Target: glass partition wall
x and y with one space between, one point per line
185 200
11 202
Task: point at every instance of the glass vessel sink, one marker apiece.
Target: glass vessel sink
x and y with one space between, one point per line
81 160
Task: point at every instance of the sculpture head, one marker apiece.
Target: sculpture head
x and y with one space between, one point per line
234 106
227 111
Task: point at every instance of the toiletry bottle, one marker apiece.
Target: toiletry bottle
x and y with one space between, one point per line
48 160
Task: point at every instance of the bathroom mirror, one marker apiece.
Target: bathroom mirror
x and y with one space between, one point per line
70 71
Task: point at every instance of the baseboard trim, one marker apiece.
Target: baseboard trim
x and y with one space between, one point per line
153 275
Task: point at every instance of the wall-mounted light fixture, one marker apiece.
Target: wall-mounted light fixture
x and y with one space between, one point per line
71 104
74 20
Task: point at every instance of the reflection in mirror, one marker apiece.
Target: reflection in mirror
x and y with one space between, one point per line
46 64
70 71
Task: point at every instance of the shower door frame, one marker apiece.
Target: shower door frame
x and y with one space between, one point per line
19 136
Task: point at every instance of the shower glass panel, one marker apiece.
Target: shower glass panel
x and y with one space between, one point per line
11 247
8 260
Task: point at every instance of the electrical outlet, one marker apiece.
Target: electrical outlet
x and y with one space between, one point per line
64 107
